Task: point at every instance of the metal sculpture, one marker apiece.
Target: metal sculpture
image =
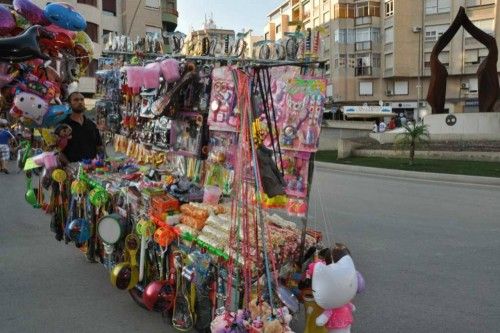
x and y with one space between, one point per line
489 89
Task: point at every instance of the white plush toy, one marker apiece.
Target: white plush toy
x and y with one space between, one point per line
334 286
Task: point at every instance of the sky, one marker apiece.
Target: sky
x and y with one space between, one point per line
228 14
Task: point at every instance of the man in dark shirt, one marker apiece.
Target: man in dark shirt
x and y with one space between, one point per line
85 142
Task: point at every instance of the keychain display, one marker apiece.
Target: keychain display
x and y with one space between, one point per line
223 114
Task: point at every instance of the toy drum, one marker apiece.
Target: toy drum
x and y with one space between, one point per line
111 228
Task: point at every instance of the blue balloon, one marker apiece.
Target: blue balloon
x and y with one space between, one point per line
55 115
65 16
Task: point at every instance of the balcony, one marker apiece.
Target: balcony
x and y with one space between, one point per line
363 20
363 71
363 46
295 3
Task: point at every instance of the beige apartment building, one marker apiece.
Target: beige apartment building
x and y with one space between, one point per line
127 17
380 50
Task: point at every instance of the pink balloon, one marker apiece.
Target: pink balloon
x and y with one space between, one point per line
56 29
30 11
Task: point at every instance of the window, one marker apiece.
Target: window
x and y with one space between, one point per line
473 3
367 34
316 22
93 31
153 31
326 17
344 10
389 8
92 68
475 56
389 61
433 32
473 87
88 2
365 88
444 58
343 36
437 6
389 35
368 8
363 65
266 36
487 26
109 7
278 28
339 61
401 88
153 3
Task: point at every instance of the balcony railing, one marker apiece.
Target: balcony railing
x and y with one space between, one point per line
363 71
363 20
363 46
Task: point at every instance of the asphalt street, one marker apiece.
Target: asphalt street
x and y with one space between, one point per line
429 252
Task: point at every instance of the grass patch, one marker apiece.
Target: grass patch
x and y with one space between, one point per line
472 168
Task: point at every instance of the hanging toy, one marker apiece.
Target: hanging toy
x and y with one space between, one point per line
125 275
29 106
23 47
63 133
7 21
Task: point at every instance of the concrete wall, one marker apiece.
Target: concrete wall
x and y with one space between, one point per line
335 131
433 155
470 126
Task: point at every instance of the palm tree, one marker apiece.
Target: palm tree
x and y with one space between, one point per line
415 135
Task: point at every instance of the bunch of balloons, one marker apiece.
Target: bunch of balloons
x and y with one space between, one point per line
42 53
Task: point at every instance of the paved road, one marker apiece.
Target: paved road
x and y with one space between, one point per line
429 251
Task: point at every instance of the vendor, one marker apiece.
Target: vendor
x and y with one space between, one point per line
85 142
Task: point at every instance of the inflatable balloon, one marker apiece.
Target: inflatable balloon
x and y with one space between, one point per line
30 11
56 29
6 75
55 115
336 284
7 21
81 38
40 87
23 47
65 16
30 106
54 45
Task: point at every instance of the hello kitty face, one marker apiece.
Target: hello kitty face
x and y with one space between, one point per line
297 103
336 284
31 106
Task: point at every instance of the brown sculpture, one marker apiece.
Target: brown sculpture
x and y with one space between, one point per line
489 89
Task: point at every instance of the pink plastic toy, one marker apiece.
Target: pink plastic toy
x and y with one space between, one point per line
151 76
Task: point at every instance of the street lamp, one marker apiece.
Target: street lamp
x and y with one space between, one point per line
418 30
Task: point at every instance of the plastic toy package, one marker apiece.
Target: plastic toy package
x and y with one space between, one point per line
223 115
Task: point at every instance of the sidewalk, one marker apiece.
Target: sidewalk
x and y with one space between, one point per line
429 176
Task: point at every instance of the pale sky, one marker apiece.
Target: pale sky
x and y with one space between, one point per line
228 14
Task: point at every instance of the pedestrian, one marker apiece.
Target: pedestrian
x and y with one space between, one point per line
403 119
381 127
85 141
6 138
392 124
376 126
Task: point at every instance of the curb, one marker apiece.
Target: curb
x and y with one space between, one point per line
429 176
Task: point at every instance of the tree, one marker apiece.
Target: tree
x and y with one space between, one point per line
415 135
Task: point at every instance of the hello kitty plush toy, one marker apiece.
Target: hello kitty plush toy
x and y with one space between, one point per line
334 285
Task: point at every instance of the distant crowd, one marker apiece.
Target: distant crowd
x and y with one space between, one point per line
397 121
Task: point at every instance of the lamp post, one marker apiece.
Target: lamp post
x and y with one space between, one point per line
418 30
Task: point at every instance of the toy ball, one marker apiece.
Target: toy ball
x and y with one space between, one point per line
30 11
59 175
78 230
65 16
30 106
78 187
7 21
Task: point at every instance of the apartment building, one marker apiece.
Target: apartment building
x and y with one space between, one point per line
222 37
127 17
380 50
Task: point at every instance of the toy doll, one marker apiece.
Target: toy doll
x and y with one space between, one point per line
63 133
336 302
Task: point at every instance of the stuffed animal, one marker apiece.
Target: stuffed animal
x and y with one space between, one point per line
334 285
